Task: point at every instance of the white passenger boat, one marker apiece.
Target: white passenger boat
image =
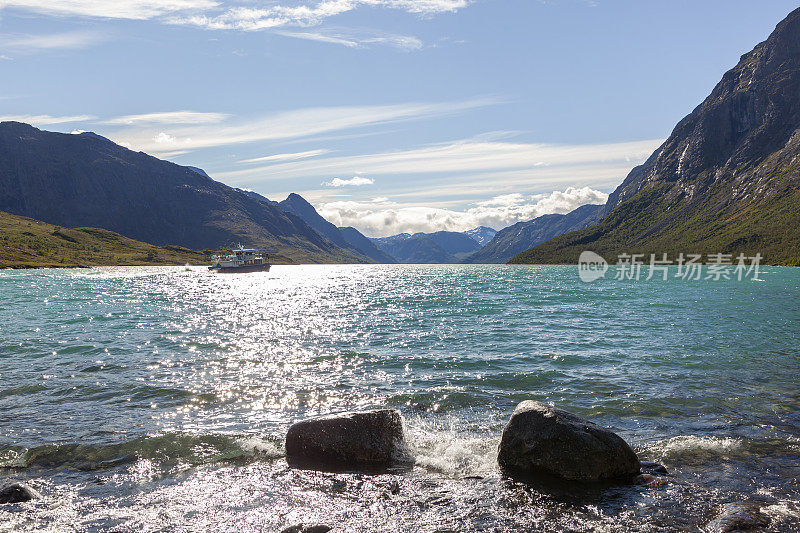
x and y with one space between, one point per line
241 260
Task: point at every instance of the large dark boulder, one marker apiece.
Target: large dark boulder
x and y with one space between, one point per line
543 439
17 493
371 439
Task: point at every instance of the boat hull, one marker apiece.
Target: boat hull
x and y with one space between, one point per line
240 269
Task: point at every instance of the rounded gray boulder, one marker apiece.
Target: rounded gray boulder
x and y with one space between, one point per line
370 439
543 439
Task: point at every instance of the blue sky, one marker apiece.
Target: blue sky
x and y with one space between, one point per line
389 115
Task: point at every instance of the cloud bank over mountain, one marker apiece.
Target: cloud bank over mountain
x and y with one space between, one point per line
382 217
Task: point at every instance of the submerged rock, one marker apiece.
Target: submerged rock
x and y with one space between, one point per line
738 516
299 528
650 467
370 439
17 493
543 439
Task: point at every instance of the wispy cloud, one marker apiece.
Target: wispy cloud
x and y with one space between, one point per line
285 125
353 39
461 156
381 217
293 20
45 120
171 117
286 157
218 15
112 9
53 41
355 181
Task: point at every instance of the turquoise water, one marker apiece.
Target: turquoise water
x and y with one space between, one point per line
156 399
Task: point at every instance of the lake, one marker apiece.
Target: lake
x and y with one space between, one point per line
157 399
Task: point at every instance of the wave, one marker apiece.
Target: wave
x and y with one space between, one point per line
171 448
691 444
442 448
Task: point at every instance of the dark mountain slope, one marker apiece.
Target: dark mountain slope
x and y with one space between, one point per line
726 180
458 244
512 240
417 250
366 246
86 180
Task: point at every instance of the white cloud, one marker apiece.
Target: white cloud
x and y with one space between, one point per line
288 125
250 18
118 9
355 181
286 157
164 138
170 117
54 41
44 120
381 217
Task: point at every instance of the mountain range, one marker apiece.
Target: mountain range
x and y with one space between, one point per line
437 247
85 180
726 180
349 239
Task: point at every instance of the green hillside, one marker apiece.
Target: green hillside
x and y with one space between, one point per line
28 243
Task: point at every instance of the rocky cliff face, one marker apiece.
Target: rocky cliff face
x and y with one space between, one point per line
726 179
86 180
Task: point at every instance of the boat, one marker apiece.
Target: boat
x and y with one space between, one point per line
241 260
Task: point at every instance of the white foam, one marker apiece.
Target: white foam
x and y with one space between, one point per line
451 452
691 443
263 447
781 510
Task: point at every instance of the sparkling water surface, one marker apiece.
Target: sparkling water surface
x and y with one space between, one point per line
157 399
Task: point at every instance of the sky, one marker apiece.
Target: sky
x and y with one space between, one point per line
387 115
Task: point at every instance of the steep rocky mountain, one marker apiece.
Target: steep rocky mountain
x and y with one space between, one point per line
357 245
512 240
366 246
725 181
437 247
86 180
482 234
